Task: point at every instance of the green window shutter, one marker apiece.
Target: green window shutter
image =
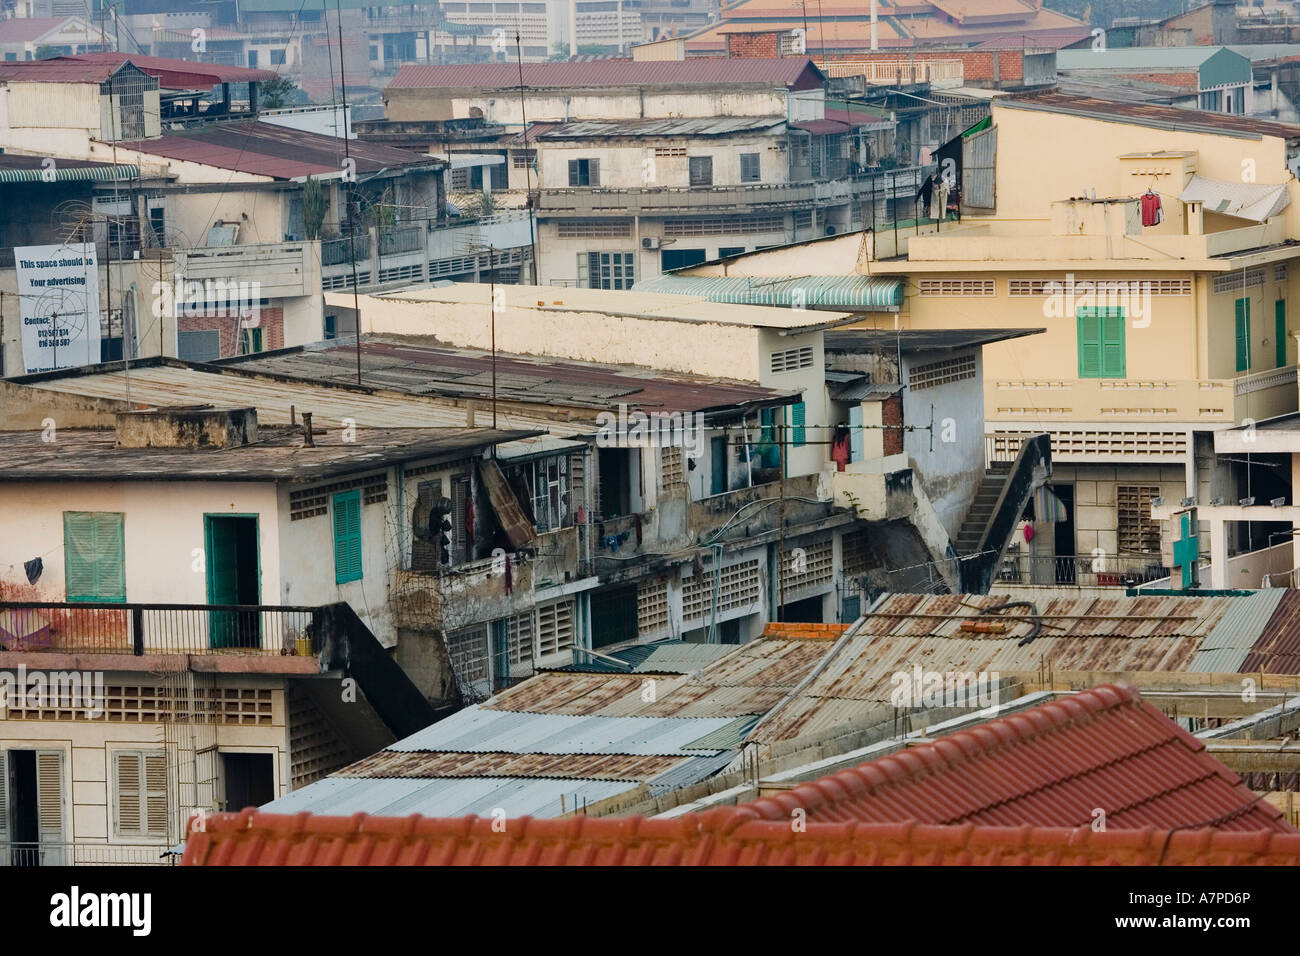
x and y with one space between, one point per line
347 536
1112 343
94 556
1243 335
1089 344
798 433
1279 331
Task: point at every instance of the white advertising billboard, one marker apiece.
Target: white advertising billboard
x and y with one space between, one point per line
58 296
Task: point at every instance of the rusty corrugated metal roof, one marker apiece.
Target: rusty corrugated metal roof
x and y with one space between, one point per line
388 763
1277 650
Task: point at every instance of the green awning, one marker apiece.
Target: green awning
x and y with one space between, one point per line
71 174
852 293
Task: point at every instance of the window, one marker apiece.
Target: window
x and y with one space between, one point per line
140 779
798 434
980 287
347 537
374 52
1136 529
749 170
1101 343
725 251
701 170
94 556
523 158
941 373
607 270
594 228
252 58
584 172
1242 313
251 340
277 58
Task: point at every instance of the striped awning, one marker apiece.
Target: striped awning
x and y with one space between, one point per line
841 293
71 174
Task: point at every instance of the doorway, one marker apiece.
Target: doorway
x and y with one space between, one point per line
1063 546
249 780
234 577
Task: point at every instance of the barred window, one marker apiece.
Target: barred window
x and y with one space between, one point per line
1232 281
1137 531
722 225
594 228
739 588
933 374
789 360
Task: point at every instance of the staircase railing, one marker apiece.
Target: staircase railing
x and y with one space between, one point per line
1030 469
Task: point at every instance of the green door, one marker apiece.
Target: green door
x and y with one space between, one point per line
233 578
1279 331
1243 335
717 465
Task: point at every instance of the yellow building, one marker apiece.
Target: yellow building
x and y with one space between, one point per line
1156 335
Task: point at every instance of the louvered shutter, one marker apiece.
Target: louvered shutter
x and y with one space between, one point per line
798 434
347 536
593 172
1112 343
94 556
155 794
49 805
1089 344
130 811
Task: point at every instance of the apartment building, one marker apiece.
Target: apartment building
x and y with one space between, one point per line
640 167
174 643
1157 334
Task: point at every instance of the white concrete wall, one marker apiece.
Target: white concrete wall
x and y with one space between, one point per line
163 529
809 458
949 461
633 164
502 106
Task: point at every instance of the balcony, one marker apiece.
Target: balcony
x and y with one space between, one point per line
1083 571
86 853
406 254
1145 404
695 200
709 516
157 629
279 268
940 74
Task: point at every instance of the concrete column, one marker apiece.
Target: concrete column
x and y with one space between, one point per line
1218 553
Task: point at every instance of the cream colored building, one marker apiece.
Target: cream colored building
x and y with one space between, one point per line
1156 335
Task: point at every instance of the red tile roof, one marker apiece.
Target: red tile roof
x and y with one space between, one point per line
174 74
722 837
1049 766
705 71
1015 791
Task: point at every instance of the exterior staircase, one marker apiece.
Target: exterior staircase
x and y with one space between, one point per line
981 509
1000 500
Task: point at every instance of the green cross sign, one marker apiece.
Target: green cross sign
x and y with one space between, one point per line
1187 551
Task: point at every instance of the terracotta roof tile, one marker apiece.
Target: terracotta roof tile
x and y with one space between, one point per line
722 837
1053 766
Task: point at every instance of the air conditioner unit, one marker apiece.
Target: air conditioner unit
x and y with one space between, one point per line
651 242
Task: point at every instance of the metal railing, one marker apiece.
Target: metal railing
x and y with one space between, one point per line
1101 571
139 629
334 252
85 854
401 239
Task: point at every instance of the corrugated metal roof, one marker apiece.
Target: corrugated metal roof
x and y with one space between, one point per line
1277 650
1225 648
423 763
277 152
1258 202
524 796
690 771
812 292
864 390
477 730
177 74
1150 114
1138 58
710 71
729 737
679 657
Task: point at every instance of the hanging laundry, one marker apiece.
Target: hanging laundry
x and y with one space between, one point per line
510 578
939 200
1152 212
637 522
581 516
925 192
469 523
33 569
841 452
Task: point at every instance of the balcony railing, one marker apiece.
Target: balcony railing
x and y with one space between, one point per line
138 629
85 854
1117 571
